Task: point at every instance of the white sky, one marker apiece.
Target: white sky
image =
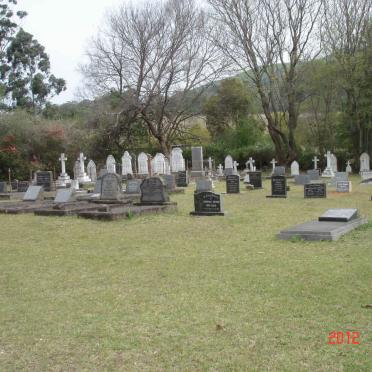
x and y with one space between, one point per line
64 28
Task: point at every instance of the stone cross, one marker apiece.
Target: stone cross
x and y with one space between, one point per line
235 167
63 159
81 161
210 163
251 164
328 156
220 170
348 167
273 162
315 161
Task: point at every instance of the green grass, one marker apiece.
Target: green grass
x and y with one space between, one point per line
175 292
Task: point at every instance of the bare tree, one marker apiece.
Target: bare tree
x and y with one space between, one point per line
347 37
268 40
158 58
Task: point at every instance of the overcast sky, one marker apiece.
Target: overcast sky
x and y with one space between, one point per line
64 27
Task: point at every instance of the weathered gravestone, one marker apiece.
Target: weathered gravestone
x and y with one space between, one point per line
177 160
111 187
278 187
133 186
255 179
197 162
364 163
23 186
229 165
182 179
3 188
98 185
92 171
64 195
45 179
315 190
33 193
339 215
153 191
302 179
295 168
170 181
14 186
279 171
143 164
204 184
343 186
366 178
233 184
313 174
339 176
208 203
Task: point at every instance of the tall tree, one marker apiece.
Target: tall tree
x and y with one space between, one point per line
268 40
158 58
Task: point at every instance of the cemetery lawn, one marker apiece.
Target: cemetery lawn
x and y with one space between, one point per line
175 292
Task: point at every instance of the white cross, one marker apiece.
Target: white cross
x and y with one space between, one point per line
251 164
273 162
315 160
328 156
236 166
210 163
62 159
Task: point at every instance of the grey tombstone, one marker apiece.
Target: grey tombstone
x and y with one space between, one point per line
364 163
45 179
92 171
170 181
133 186
177 160
339 176
64 195
204 184
33 193
3 188
343 186
233 184
197 162
279 171
302 179
247 179
23 186
98 185
207 203
334 163
339 215
111 187
153 191
159 164
278 187
111 164
315 190
182 179
313 174
255 179
229 165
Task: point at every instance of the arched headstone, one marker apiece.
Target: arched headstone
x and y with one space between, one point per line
159 164
229 165
143 165
177 160
92 171
295 168
111 164
364 162
126 162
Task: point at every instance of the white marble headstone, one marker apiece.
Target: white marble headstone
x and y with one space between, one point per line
92 171
143 165
111 164
177 160
126 162
295 168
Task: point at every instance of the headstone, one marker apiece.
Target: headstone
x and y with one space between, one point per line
33 193
255 179
14 186
313 174
159 164
295 168
133 186
302 179
111 164
182 179
229 165
343 186
45 179
339 215
208 204
82 177
177 160
23 186
170 181
235 167
220 170
3 187
233 184
278 187
250 164
63 178
197 162
64 195
111 187
92 171
315 161
167 168
143 164
153 191
246 179
76 169
126 164
334 163
339 176
204 184
315 190
349 170
210 166
273 162
279 171
328 172
364 163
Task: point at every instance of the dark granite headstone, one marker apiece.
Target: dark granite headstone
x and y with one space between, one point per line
64 195
208 204
182 179
339 215
33 193
23 186
278 187
170 181
133 186
233 184
279 171
302 179
255 179
3 187
313 174
315 190
45 179
111 187
14 186
153 191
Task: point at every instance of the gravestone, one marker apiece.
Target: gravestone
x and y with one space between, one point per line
182 179
220 170
302 179
348 169
133 186
82 176
153 191
315 190
295 168
328 172
279 171
197 162
64 195
98 185
63 178
339 176
366 178
33 193
204 184
278 187
364 163
143 164
229 165
3 188
76 169
159 164
313 174
14 186
23 186
126 164
45 179
167 167
170 181
111 187
334 163
233 184
273 162
92 171
255 179
207 203
343 186
111 164
177 160
250 164
246 179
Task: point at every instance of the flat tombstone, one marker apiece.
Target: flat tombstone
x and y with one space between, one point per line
279 171
133 186
182 179
111 187
45 179
33 193
170 181
208 204
343 186
339 215
64 195
255 179
278 187
315 190
23 186
204 184
295 168
313 174
3 187
302 179
153 191
233 184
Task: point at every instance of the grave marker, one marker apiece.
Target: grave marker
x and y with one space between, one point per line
207 203
233 184
153 191
278 187
111 187
33 193
315 190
